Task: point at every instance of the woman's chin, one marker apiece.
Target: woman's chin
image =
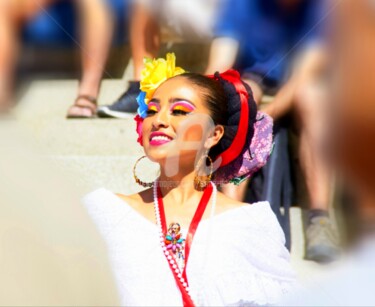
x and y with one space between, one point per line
159 155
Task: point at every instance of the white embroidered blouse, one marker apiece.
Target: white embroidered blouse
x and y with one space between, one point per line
237 257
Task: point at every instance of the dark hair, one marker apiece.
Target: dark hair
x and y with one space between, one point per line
225 105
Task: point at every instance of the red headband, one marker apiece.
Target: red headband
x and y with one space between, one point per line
235 149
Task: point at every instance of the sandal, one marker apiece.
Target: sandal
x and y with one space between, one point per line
85 103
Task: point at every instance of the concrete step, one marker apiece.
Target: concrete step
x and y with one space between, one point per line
112 172
86 137
42 111
47 100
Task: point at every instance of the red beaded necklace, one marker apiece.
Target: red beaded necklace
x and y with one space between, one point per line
181 277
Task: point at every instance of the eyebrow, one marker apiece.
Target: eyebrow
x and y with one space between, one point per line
173 100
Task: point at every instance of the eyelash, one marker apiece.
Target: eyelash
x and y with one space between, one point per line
174 112
150 112
179 112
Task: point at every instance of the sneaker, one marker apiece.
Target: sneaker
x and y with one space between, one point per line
125 106
321 240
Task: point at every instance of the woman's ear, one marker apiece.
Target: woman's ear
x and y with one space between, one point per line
215 137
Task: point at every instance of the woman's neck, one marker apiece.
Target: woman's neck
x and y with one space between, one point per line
179 188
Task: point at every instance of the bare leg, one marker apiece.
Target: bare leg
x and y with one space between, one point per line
12 14
239 192
305 94
321 237
315 169
96 36
144 42
223 53
8 47
310 108
144 38
96 29
282 103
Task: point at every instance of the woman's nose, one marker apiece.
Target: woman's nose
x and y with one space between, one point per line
161 119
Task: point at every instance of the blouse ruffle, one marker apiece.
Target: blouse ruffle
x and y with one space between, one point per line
237 258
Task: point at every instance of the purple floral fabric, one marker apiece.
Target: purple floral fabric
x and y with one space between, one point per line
253 158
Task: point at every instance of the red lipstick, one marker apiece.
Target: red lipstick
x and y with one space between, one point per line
159 138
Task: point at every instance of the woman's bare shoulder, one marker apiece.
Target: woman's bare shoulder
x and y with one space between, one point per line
137 200
225 203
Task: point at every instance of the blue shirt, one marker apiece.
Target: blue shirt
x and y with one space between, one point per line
57 24
267 33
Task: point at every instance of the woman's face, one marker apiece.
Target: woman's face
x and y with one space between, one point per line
178 123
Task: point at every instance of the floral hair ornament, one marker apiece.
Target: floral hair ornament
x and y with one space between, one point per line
239 163
155 72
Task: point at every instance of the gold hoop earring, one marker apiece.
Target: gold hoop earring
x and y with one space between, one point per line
200 182
139 181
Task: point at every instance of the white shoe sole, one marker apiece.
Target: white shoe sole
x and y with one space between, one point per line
117 114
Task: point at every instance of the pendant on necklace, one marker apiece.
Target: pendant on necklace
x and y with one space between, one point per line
173 240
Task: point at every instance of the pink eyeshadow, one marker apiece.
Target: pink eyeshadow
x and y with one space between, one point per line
183 104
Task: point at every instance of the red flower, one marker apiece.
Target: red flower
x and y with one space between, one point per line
139 121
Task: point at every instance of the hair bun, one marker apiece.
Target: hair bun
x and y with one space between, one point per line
234 112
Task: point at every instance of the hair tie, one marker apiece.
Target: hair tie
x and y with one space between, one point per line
216 76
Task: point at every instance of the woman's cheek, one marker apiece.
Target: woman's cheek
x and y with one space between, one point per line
193 133
193 128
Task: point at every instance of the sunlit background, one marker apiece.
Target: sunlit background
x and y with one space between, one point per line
68 81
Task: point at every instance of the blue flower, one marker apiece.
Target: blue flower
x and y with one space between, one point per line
142 109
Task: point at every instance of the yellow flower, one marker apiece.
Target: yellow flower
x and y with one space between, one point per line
156 71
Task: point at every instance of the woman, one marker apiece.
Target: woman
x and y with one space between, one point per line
180 241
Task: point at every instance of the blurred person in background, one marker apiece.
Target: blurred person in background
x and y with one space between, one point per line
351 113
263 39
353 107
191 20
95 30
50 251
